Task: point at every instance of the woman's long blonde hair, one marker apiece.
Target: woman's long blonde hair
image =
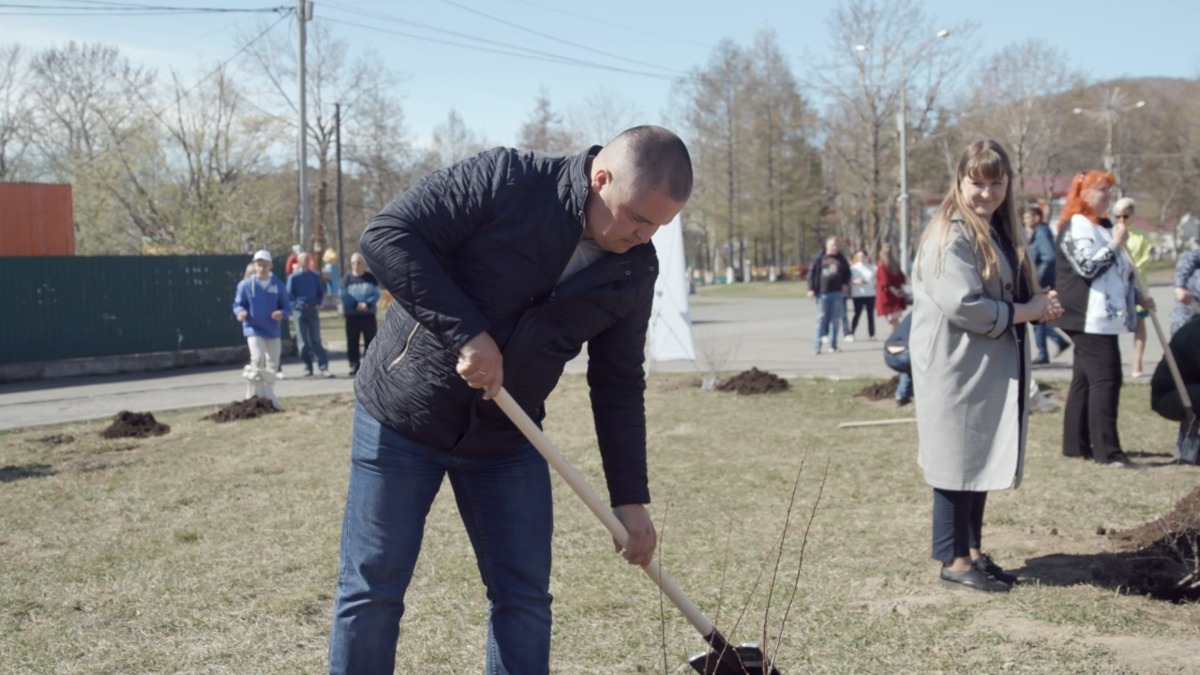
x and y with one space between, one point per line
982 160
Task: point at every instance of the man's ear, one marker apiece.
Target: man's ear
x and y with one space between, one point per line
600 178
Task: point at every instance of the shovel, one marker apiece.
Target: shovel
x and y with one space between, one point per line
724 659
1189 449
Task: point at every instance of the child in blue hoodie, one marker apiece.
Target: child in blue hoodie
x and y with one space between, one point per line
261 304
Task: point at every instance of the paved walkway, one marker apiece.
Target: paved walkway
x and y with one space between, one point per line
730 336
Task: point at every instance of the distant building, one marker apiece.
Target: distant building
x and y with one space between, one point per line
36 219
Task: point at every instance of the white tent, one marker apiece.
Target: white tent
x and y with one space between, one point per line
670 334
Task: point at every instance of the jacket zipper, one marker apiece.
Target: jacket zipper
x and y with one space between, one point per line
407 344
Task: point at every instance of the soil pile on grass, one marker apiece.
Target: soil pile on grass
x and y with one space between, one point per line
754 381
880 391
1166 565
248 409
127 424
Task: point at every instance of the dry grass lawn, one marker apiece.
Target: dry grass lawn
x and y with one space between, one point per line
213 549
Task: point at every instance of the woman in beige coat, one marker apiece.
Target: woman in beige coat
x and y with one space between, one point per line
973 289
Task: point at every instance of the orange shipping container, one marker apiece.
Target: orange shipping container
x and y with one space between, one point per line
36 219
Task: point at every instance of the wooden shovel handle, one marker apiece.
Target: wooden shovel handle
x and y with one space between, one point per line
599 508
1189 411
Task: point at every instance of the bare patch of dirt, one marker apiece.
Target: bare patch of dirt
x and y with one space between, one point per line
754 381
248 409
880 391
1166 564
127 424
56 439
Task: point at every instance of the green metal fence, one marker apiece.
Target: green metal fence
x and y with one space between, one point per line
74 307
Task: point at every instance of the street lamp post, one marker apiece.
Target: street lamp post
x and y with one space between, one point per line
1114 104
902 126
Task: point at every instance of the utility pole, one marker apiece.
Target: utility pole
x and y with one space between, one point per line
304 10
337 140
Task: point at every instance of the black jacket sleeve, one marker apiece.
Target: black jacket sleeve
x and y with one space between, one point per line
404 244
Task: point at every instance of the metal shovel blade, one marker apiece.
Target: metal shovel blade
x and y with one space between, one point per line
745 659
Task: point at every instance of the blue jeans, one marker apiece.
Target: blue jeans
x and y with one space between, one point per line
1042 331
901 363
957 523
506 507
308 338
829 307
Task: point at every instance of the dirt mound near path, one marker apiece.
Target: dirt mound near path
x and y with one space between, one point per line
127 424
248 409
754 381
1167 565
880 391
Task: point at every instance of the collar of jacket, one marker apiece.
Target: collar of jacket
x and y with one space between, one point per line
574 190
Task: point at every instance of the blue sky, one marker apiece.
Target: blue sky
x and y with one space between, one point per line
620 41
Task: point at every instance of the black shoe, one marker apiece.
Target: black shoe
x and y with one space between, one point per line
901 402
973 578
1118 460
1062 349
1041 361
986 565
353 371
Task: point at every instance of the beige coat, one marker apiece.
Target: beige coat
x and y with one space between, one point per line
968 371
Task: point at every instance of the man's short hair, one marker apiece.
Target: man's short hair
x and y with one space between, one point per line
1036 211
658 160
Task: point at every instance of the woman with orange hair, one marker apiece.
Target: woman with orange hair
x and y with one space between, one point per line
1098 295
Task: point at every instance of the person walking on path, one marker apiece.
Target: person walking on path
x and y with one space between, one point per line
261 304
975 285
502 267
1139 247
360 295
828 282
1098 294
890 299
307 292
1041 250
862 291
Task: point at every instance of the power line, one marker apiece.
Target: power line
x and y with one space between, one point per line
595 20
498 47
501 48
121 9
554 38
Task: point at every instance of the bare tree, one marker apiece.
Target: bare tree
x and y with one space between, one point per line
360 85
90 125
14 115
1017 103
453 141
600 117
543 130
883 48
715 113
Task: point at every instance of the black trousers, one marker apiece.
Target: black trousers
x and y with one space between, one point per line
1090 416
358 326
861 305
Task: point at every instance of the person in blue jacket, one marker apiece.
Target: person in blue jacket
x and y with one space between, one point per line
307 292
360 294
1041 250
261 304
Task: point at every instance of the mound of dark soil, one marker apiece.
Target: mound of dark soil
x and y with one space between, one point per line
127 424
248 409
880 391
754 381
1166 565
